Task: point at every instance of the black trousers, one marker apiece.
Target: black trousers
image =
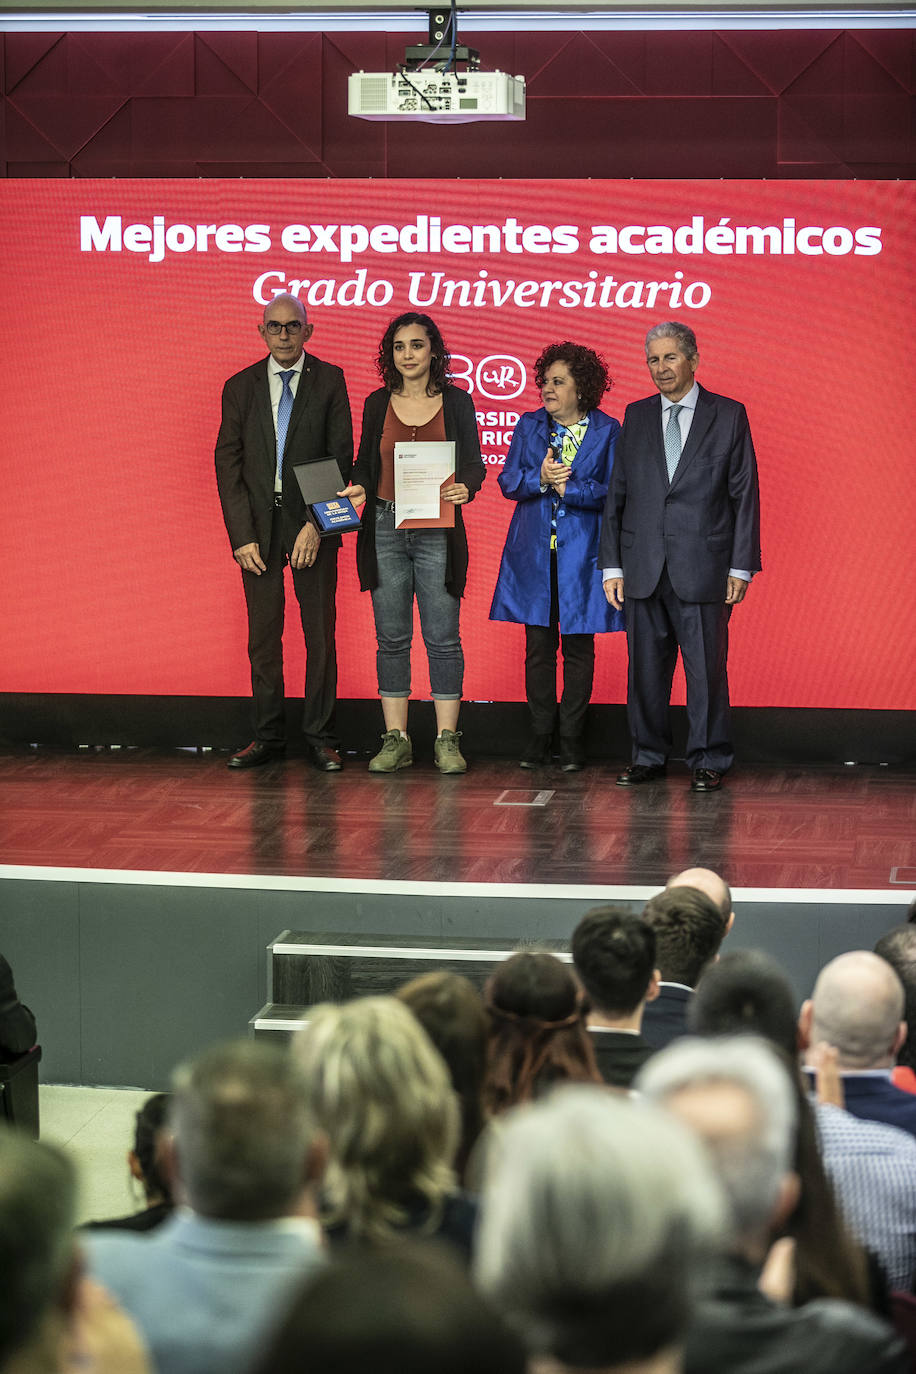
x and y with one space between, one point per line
265 598
541 645
657 626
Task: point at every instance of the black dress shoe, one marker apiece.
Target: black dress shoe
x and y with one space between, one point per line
537 752
257 752
325 758
572 754
641 772
705 780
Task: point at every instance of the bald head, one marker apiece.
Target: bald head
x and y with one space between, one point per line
857 1006
714 887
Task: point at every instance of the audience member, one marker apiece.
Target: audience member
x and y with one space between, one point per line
738 1097
857 1007
614 955
411 1310
538 1036
450 1010
244 1158
146 1162
597 1215
747 992
17 1024
381 1093
714 886
898 947
689 928
52 1320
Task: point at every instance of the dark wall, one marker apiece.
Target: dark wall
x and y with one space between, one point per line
775 104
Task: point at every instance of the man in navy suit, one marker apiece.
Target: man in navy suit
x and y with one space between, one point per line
288 408
681 540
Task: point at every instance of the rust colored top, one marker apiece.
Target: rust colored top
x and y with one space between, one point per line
396 432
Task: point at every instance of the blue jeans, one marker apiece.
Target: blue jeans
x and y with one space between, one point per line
412 563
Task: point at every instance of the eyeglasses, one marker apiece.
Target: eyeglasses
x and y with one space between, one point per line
278 326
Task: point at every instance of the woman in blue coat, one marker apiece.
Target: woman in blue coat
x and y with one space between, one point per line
557 471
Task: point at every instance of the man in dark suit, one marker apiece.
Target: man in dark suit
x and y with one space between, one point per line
681 539
689 928
613 953
288 408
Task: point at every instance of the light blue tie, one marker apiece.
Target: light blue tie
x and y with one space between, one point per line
673 441
284 411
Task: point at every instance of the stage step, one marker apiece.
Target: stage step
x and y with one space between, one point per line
306 967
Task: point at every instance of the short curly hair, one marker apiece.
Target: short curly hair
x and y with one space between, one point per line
588 369
440 363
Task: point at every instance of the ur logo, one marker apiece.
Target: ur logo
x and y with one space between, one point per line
500 377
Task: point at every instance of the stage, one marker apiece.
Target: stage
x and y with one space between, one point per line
141 886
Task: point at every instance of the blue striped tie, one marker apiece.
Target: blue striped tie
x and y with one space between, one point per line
284 411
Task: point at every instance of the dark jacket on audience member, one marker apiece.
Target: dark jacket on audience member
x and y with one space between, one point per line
620 1054
739 1331
17 1024
665 1019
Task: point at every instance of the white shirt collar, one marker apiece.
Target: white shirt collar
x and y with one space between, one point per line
689 402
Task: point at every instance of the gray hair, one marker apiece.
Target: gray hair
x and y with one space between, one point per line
286 298
382 1094
672 329
242 1130
595 1212
857 1006
37 1215
751 1164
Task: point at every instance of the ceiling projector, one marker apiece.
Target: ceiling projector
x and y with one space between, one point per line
436 97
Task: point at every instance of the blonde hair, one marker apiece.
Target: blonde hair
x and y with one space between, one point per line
382 1094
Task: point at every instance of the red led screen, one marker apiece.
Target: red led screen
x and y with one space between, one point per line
128 303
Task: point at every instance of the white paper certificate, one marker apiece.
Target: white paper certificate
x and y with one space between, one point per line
420 469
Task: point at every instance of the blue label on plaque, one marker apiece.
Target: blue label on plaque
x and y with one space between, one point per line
334 516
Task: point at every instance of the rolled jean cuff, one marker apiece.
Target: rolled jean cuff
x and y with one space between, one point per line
383 692
446 696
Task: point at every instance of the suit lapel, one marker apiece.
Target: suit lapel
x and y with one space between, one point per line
265 415
656 444
703 417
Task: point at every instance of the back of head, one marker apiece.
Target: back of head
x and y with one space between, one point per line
538 1034
857 1006
381 1092
689 929
450 1010
746 991
150 1123
614 955
411 1310
596 1211
37 1215
708 882
242 1131
898 947
737 1095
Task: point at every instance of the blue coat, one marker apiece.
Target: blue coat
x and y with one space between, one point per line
523 587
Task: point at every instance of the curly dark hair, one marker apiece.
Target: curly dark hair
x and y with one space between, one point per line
588 369
439 365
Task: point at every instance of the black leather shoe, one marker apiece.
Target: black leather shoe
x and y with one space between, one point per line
641 772
572 754
257 752
537 752
324 758
705 780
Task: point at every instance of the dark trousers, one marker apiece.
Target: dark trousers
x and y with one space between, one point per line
657 626
541 645
316 590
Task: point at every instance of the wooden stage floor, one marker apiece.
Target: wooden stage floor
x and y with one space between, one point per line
175 811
